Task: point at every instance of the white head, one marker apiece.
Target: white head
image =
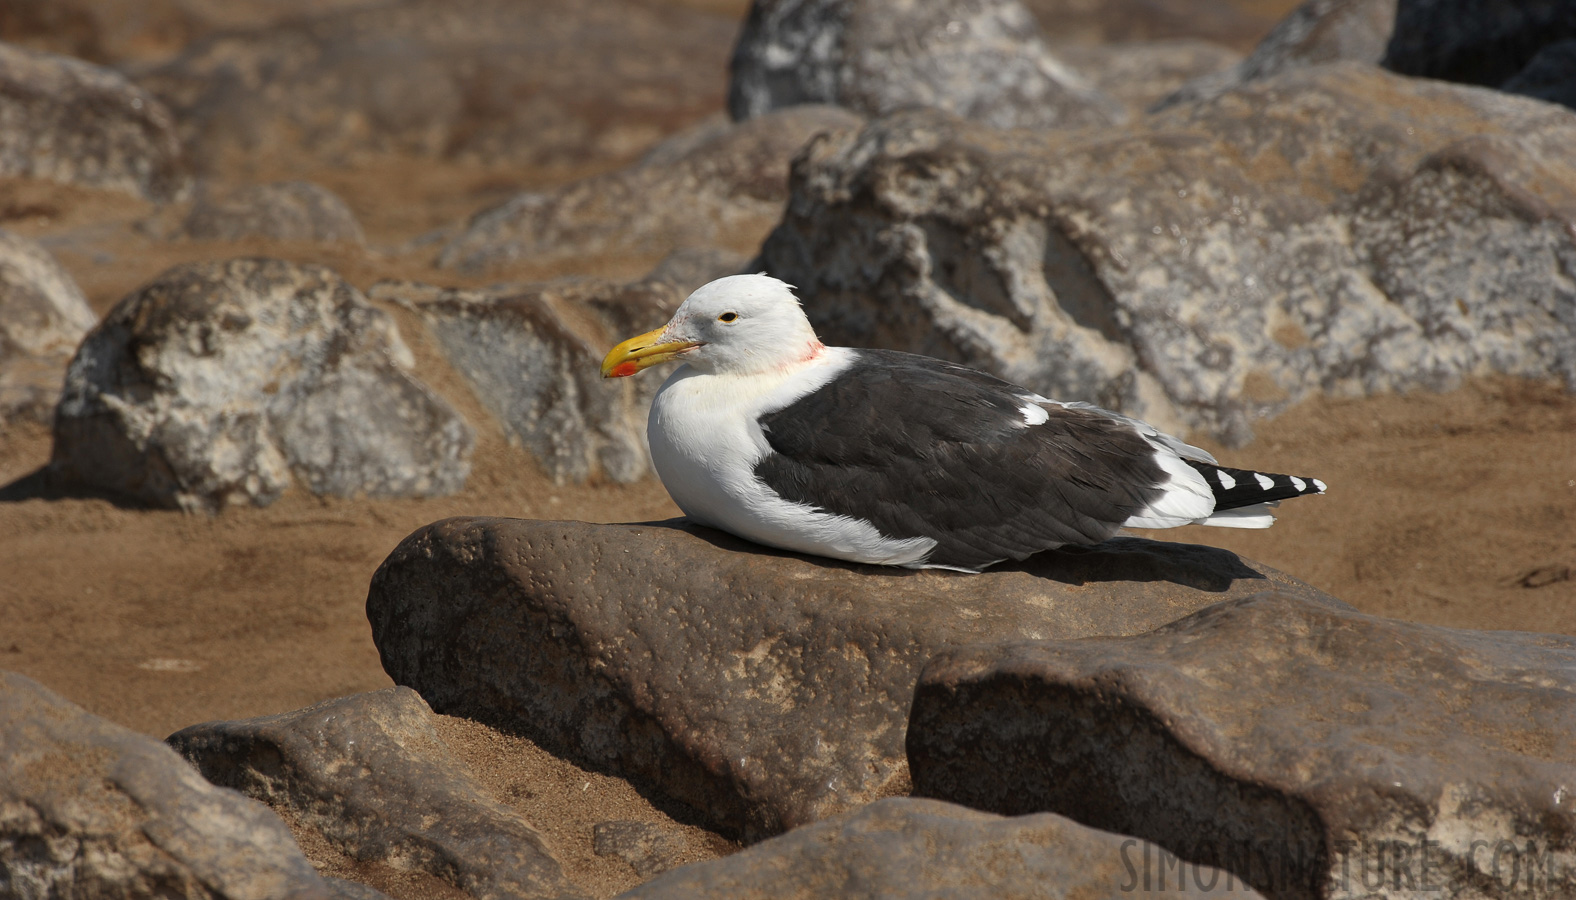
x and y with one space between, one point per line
740 324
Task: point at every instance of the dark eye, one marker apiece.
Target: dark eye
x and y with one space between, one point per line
728 317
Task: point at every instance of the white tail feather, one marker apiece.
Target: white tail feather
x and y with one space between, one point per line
1256 516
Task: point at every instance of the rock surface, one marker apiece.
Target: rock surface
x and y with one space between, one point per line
74 122
909 849
370 773
1308 748
715 185
532 356
762 689
282 211
553 82
980 59
649 849
91 809
1324 230
1318 31
221 382
1141 74
43 316
1234 23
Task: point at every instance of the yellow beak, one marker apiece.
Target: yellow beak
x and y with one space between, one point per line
641 352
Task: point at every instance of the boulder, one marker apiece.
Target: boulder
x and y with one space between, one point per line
983 60
553 82
43 316
370 773
1140 74
910 849
1550 76
66 120
222 382
1484 42
762 689
91 809
1237 24
532 356
714 185
282 211
1318 31
1314 751
1332 229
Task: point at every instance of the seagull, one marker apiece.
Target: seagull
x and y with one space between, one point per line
888 458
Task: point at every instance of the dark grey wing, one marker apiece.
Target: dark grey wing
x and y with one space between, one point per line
921 448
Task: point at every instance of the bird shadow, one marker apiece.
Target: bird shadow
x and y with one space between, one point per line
1122 558
41 484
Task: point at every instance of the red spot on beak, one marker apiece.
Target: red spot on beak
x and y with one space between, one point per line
624 369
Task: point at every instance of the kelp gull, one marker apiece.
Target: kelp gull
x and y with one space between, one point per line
875 456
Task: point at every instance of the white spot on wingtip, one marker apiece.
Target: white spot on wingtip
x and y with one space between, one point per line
1033 415
1265 482
1298 483
1226 481
1319 484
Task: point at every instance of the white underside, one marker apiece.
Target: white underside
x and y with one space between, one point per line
706 442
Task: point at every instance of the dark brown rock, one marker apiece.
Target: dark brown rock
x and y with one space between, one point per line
1238 24
70 121
983 60
1318 31
43 316
715 185
222 382
649 849
282 211
1333 229
908 849
91 809
371 774
1308 748
551 82
764 690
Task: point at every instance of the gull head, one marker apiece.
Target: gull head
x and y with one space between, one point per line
742 324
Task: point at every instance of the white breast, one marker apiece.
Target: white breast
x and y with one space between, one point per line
705 443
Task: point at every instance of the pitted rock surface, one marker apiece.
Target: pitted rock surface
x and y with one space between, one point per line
1308 748
222 382
911 849
281 211
764 690
91 809
532 356
552 82
983 60
70 121
1318 231
43 316
371 774
713 185
1318 31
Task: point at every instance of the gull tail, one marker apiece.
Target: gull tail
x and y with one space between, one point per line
1244 498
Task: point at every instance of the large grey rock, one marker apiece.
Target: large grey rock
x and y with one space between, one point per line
762 689
281 211
1318 31
551 82
1483 42
222 382
715 185
370 773
981 59
1310 749
43 316
1142 73
532 356
911 849
91 809
74 122
1332 229
1238 24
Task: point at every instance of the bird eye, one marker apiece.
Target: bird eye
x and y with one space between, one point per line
728 317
